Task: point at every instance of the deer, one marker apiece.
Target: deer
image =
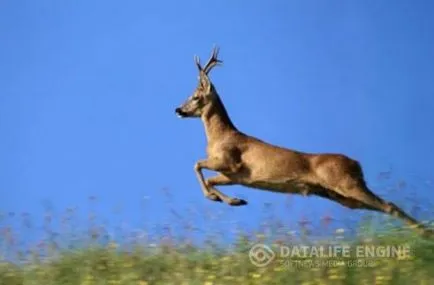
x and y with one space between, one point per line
242 159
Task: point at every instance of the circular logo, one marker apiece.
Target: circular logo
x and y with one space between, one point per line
261 255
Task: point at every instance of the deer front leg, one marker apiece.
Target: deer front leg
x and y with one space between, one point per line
209 191
224 180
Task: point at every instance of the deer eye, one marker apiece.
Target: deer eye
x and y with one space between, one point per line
195 98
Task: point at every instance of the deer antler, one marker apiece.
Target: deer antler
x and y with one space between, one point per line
213 61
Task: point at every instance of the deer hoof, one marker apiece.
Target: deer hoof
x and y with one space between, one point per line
214 197
237 202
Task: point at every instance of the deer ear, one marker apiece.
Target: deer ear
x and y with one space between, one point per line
204 81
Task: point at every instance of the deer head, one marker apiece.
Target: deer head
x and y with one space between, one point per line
205 94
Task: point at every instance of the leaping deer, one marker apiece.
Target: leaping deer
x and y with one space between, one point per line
245 160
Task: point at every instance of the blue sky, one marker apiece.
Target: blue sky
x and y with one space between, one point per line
88 91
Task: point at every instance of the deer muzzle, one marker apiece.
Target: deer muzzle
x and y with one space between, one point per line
180 113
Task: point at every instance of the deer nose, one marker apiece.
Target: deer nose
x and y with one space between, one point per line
179 112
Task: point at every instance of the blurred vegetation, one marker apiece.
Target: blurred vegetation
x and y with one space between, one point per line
180 262
66 256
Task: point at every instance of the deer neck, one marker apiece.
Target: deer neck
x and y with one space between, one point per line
217 121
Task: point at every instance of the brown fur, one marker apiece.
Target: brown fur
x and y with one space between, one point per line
245 160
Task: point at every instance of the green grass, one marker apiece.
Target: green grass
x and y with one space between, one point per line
67 257
177 264
183 263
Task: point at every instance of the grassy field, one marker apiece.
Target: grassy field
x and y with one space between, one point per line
183 263
96 259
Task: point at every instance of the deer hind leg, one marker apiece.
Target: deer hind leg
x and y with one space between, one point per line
345 177
344 201
360 192
208 190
